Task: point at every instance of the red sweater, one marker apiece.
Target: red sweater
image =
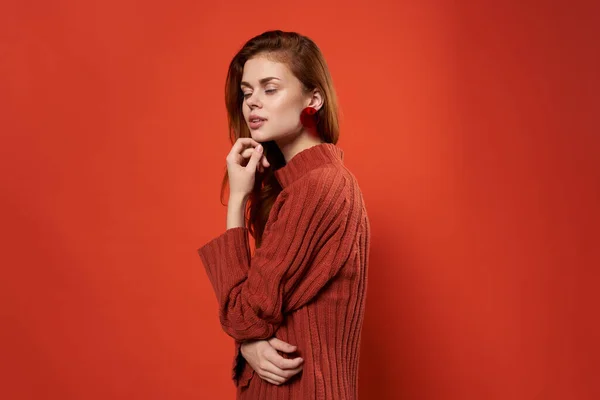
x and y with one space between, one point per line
307 282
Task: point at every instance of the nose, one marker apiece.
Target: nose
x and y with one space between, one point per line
253 101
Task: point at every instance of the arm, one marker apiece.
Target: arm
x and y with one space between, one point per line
309 236
235 211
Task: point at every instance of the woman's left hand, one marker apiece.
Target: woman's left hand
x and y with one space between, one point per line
267 363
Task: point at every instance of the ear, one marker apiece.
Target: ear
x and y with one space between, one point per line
315 100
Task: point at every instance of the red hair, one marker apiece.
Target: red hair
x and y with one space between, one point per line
306 62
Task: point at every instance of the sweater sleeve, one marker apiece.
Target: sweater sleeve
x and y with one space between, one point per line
308 237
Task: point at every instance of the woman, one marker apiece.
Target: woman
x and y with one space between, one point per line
295 306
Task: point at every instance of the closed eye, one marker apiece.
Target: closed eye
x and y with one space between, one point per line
269 91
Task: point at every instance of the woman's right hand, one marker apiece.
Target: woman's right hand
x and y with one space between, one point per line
267 363
244 159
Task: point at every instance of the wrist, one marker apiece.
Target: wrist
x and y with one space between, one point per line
238 198
236 210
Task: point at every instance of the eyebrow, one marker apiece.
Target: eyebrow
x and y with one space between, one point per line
262 81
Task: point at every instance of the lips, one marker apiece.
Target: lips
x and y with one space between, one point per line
256 122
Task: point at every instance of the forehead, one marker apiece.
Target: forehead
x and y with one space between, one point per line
260 67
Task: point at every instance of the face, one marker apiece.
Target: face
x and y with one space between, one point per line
273 95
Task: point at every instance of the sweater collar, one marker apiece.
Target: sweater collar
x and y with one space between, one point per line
306 160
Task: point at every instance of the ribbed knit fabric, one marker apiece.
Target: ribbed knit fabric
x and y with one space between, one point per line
307 282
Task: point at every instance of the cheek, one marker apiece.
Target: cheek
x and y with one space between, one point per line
285 122
285 111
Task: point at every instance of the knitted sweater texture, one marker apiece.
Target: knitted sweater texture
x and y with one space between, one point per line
306 284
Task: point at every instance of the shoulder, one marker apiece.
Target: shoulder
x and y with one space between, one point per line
330 185
324 181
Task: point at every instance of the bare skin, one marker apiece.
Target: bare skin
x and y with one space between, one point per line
264 359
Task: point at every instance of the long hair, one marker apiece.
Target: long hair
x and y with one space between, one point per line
306 62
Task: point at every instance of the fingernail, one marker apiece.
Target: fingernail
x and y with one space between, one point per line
259 148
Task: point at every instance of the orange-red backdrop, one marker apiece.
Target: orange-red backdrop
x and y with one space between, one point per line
472 130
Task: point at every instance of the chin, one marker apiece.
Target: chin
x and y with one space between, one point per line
261 136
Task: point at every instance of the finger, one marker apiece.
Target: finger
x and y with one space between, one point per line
255 158
292 372
282 363
272 382
280 345
241 144
281 373
272 378
247 153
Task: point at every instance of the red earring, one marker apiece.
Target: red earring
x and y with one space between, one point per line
308 117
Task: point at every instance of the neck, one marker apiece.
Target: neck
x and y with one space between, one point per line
304 140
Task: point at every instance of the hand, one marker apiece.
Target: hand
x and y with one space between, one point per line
244 159
267 363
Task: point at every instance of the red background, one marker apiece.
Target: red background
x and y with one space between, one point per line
471 127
